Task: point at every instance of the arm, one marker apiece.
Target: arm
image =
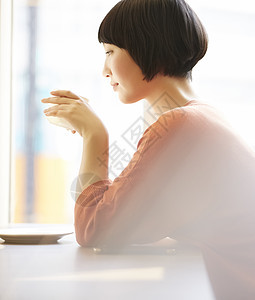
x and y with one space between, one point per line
164 188
77 111
135 208
91 171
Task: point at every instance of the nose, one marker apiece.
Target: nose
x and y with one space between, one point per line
106 71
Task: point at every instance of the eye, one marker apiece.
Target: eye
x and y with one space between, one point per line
108 52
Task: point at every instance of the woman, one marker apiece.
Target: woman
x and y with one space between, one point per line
192 177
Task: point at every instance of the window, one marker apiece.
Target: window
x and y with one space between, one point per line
5 108
55 46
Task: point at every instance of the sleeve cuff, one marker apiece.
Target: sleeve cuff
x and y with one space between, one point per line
93 193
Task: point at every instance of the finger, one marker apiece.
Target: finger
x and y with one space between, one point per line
56 110
58 100
68 94
64 93
85 99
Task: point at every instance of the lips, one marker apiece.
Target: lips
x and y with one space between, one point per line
114 85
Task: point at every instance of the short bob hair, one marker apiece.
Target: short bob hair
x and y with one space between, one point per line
162 36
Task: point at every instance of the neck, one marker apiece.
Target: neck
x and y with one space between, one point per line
167 93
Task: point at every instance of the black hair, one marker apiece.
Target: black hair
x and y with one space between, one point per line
162 36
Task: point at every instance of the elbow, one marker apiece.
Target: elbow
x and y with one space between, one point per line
86 233
84 227
84 237
83 242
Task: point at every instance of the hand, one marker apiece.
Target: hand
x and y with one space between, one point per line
76 110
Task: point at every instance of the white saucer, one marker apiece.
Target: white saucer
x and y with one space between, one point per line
33 235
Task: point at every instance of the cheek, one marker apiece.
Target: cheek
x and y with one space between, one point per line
125 68
121 69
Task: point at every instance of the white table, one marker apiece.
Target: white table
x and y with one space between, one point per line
67 271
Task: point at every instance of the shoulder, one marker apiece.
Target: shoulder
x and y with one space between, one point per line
168 124
196 117
176 118
184 124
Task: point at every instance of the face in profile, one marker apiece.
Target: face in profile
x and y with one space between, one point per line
125 75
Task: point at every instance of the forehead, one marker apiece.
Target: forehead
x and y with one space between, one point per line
109 45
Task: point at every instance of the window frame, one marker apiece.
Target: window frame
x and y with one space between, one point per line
6 12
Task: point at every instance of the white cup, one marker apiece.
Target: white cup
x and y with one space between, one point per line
60 122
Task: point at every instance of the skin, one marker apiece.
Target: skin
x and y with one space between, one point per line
127 80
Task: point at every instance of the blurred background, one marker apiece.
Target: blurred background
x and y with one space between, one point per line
55 47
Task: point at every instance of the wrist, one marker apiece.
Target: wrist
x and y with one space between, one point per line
96 135
97 132
95 155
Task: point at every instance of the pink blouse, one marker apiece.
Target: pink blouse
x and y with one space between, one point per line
191 179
